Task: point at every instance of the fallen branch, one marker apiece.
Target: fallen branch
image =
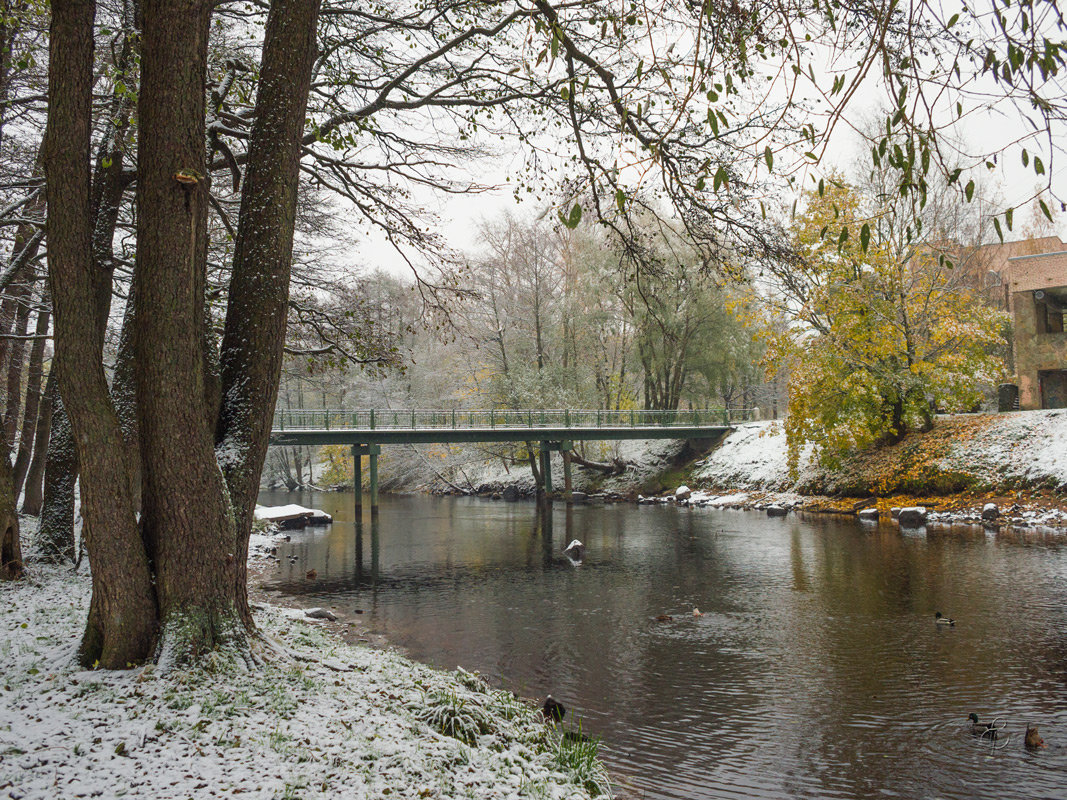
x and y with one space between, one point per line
616 467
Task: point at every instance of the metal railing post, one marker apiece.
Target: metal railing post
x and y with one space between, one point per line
372 419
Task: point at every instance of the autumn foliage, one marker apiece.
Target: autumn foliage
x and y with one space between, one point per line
879 332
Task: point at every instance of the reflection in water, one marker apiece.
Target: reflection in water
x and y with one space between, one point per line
815 671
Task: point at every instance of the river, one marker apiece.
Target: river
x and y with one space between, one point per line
815 671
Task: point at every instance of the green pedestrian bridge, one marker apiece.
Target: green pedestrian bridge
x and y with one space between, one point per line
366 430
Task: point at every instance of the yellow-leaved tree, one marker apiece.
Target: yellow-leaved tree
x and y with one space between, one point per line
882 332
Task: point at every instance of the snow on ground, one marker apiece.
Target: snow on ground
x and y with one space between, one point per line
1025 448
752 457
645 459
319 719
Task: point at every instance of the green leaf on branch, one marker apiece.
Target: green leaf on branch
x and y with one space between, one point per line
865 237
571 220
721 178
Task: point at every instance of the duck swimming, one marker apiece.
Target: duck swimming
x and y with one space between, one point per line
987 730
1033 740
943 620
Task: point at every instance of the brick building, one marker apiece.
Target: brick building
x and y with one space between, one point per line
1028 278
1037 287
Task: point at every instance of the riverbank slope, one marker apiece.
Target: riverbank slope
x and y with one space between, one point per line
316 719
1017 461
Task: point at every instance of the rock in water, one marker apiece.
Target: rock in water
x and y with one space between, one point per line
869 514
575 550
510 493
990 513
913 516
553 709
682 492
777 511
320 613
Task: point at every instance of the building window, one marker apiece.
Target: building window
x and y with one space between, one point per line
1053 388
1049 307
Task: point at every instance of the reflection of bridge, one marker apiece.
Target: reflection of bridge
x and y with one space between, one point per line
367 430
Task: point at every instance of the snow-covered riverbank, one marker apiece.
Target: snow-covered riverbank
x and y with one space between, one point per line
1016 461
1022 450
318 719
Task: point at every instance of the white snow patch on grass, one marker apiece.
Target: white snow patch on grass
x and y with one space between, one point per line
323 719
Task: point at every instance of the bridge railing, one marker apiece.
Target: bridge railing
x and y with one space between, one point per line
387 419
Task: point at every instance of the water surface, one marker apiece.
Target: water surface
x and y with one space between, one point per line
816 670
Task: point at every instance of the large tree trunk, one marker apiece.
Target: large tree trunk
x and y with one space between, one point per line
259 290
186 517
122 620
34 493
60 470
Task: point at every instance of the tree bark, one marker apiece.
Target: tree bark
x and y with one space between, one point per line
33 396
16 353
186 520
122 621
55 535
10 542
33 495
124 397
259 290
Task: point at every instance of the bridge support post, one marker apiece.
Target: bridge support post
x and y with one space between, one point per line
546 468
372 451
357 479
568 487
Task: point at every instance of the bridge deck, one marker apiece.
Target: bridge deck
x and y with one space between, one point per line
498 434
374 426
